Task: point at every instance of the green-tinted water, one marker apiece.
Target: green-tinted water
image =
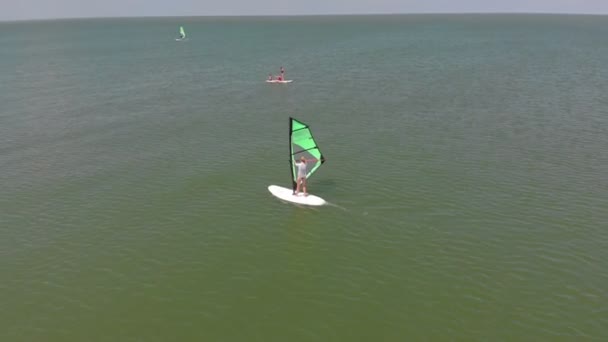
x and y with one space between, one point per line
466 165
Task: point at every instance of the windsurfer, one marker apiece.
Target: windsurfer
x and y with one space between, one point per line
302 175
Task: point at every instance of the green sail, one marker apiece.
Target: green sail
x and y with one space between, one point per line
302 144
181 32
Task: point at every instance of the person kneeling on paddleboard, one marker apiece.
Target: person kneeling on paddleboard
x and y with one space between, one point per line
302 175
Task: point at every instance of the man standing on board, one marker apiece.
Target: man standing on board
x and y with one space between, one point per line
301 179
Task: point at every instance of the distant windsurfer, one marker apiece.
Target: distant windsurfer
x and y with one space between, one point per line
302 175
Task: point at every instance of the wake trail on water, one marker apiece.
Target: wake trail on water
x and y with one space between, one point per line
336 206
365 212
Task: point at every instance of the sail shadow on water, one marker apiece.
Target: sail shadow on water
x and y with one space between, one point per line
325 185
327 188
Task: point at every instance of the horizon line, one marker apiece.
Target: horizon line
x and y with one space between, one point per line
301 15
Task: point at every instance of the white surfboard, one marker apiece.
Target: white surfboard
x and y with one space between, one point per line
277 81
287 195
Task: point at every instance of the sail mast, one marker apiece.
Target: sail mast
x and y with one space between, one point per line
291 164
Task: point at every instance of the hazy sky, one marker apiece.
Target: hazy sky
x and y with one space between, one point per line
35 9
